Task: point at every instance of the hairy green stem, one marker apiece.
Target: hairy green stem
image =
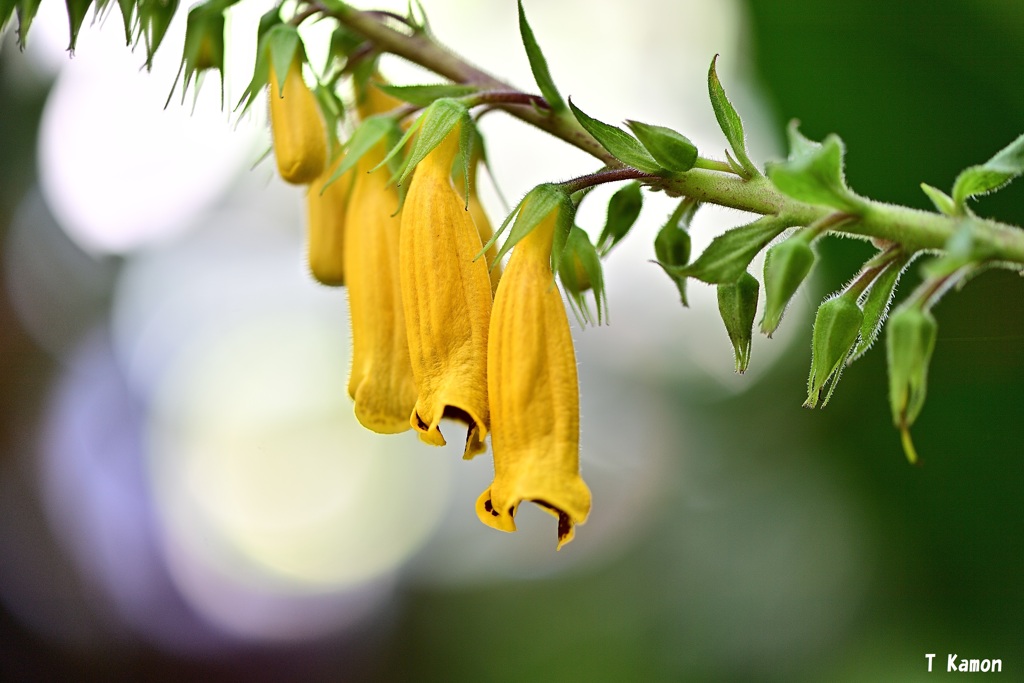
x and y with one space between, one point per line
710 181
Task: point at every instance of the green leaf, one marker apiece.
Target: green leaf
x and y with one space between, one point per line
623 210
672 245
876 301
995 173
672 150
539 65
737 304
942 201
729 121
580 270
619 143
424 95
729 254
815 176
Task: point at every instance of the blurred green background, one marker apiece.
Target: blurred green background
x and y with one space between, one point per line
785 544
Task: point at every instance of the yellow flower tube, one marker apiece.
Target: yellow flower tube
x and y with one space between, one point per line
300 139
325 235
534 395
381 382
446 294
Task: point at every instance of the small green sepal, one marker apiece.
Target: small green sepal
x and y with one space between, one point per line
836 327
433 126
910 341
623 210
672 150
531 210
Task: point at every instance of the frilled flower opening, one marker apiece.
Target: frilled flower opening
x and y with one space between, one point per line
446 294
300 139
534 395
381 382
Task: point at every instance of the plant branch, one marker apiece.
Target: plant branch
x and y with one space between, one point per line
709 182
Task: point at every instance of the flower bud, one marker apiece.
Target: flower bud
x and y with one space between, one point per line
910 341
737 304
786 265
300 140
672 248
836 328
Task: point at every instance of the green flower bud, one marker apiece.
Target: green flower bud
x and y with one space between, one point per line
737 304
909 345
836 327
672 248
786 265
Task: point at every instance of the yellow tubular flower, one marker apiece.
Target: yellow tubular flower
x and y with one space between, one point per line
447 298
534 395
325 243
381 382
300 139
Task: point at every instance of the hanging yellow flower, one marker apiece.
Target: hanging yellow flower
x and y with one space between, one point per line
534 394
326 210
381 382
447 297
300 140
